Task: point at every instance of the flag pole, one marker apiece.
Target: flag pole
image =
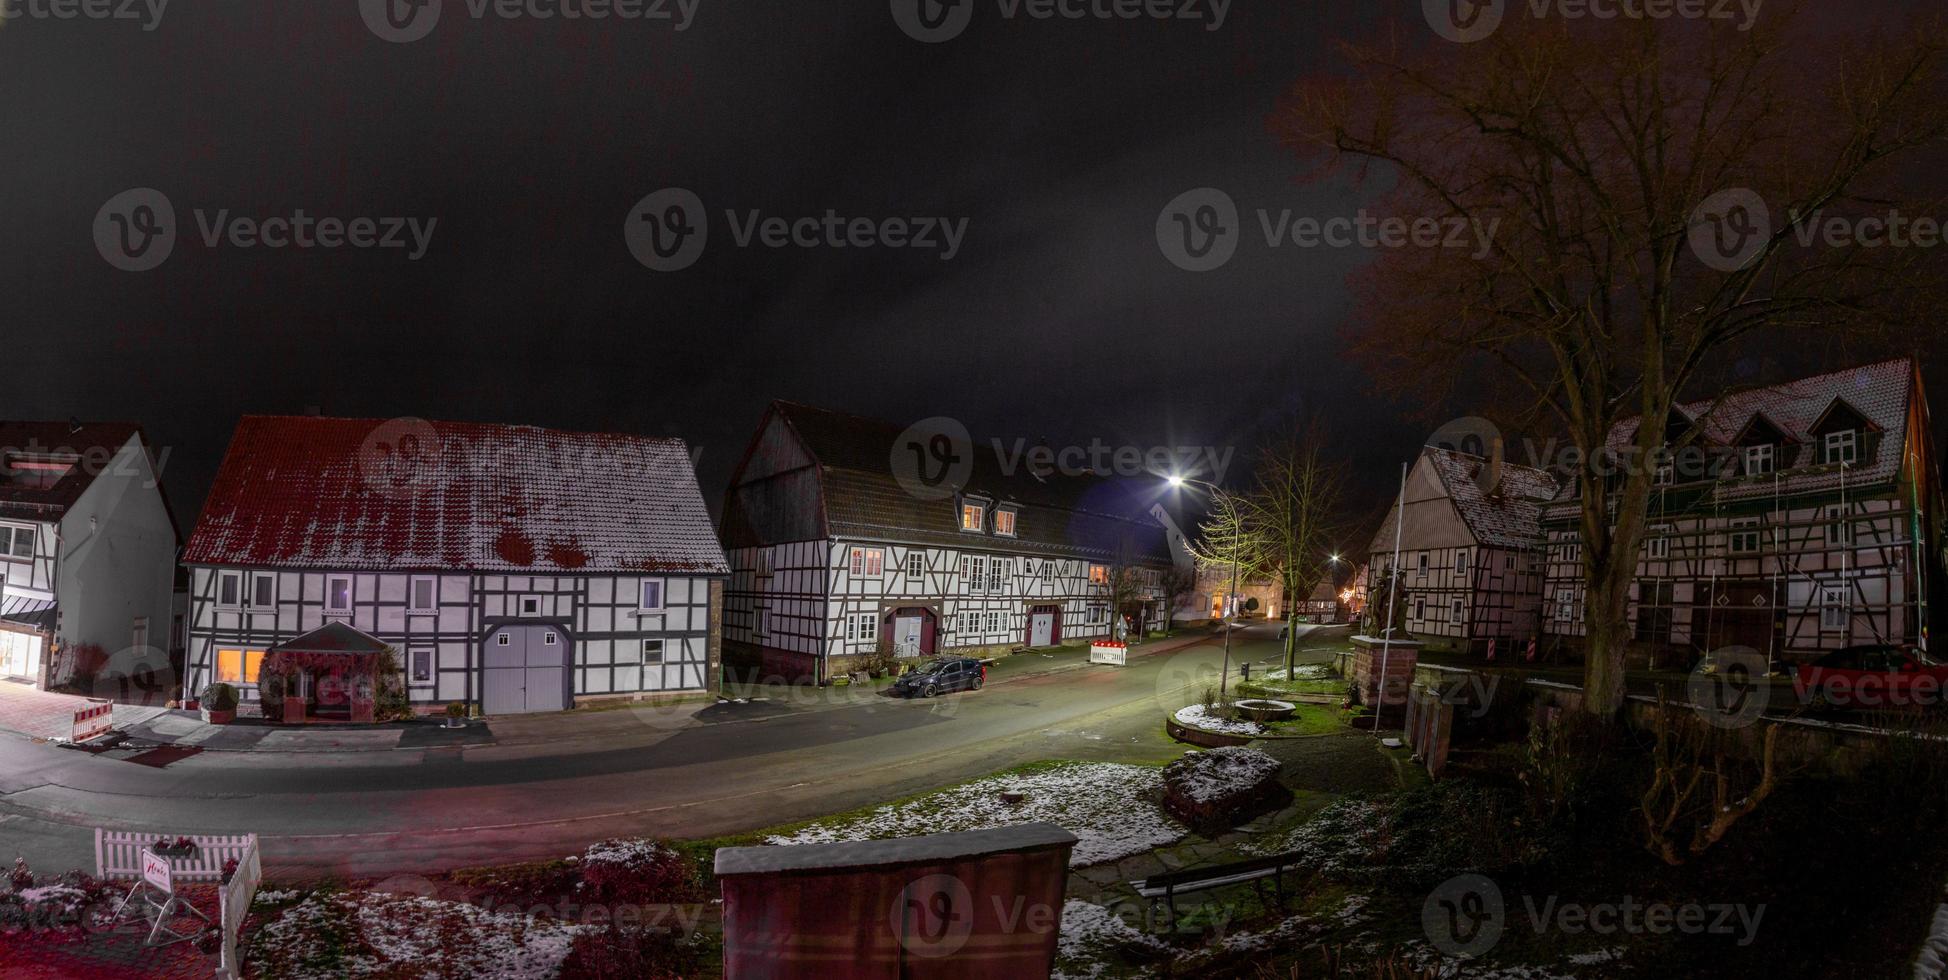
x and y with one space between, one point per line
1393 593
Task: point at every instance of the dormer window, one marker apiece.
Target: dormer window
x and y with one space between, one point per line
37 472
1759 459
973 516
1004 522
1842 446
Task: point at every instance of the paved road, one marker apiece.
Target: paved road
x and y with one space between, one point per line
731 769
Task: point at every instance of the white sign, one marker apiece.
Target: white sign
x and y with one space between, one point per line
155 871
1116 655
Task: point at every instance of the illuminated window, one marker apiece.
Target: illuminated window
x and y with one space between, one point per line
970 517
868 561
1004 522
1099 574
238 666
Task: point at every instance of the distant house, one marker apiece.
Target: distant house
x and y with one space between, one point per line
1324 605
832 558
1213 596
87 553
515 568
1805 518
1470 550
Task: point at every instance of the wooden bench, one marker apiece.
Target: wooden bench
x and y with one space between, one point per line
1168 886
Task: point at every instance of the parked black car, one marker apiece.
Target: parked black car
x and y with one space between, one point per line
942 676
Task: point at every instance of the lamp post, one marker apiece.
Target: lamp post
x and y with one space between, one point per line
1224 674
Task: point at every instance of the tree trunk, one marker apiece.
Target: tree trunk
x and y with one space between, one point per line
1607 618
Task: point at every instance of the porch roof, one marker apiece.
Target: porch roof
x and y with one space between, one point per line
333 638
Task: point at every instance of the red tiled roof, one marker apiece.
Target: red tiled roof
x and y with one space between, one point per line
357 494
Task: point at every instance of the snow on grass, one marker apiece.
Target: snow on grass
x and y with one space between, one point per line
375 934
1345 835
1091 939
1301 672
1201 717
1220 773
1111 808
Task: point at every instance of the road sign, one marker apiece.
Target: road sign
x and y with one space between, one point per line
155 871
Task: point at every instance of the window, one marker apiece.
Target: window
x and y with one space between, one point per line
16 542
1508 560
1048 569
424 594
238 666
1420 562
652 651
1461 561
501 640
1834 615
868 561
862 628
971 517
1666 473
422 666
1743 538
1572 551
1420 609
1839 530
1004 522
1457 611
229 590
998 571
548 639
1658 545
1099 574
338 593
139 633
1841 447
1098 614
916 564
651 595
974 569
530 605
263 591
1758 459
1566 605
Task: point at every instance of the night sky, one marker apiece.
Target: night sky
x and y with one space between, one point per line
529 142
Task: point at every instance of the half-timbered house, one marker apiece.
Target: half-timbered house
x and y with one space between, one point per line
832 558
1792 519
1470 550
87 555
514 568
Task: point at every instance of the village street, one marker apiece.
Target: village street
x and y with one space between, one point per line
662 772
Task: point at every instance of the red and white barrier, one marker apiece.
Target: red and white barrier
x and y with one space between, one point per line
94 721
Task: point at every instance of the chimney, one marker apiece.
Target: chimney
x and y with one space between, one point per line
1490 476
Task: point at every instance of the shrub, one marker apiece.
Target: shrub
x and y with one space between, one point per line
220 697
456 710
389 698
639 871
619 953
270 695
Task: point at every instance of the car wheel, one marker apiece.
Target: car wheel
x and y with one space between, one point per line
929 691
978 681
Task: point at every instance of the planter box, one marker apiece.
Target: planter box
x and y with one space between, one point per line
215 717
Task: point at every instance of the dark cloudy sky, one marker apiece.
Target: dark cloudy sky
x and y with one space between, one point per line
529 141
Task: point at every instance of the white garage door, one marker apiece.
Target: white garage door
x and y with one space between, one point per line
524 669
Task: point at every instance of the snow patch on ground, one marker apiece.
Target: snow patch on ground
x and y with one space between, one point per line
1220 773
1200 716
1111 808
1301 672
1091 936
367 934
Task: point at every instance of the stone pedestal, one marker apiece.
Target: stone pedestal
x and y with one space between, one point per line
1398 656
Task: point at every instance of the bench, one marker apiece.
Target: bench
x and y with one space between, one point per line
1169 885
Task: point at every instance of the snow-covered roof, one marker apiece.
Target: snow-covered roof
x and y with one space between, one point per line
1511 516
357 494
1879 392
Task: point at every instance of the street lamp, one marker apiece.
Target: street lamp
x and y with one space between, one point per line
1177 483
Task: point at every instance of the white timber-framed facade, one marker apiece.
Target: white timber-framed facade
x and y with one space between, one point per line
833 560
511 568
1794 519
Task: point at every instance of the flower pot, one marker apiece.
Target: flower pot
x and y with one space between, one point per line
215 717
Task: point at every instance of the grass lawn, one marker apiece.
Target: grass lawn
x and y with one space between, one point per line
1310 719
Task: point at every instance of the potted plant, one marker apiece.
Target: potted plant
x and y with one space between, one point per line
180 847
219 704
456 715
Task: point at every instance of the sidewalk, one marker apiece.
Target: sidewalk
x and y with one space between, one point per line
48 715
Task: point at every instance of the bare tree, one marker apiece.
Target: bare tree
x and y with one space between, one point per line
1641 198
1229 542
1178 582
1292 508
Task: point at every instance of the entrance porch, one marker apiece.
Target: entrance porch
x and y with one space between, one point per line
328 674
